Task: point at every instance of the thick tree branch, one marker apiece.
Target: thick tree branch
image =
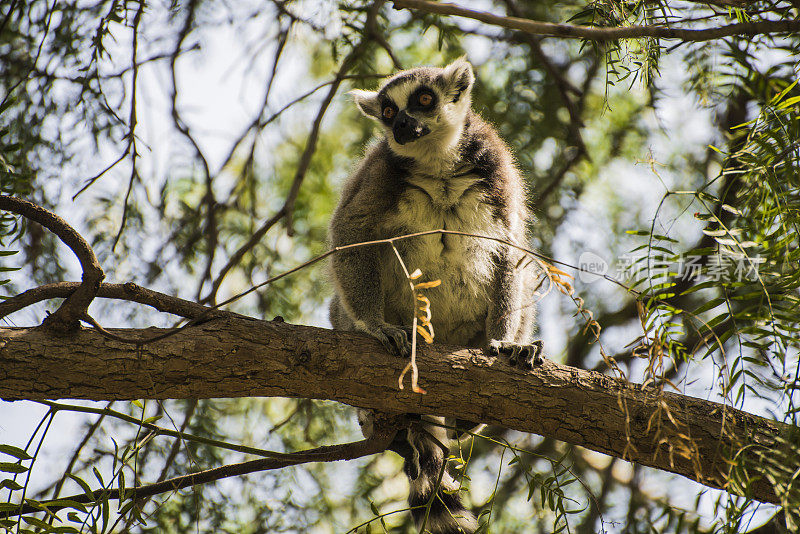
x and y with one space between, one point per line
602 34
231 357
67 316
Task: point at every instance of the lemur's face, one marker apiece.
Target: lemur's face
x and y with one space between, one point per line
421 106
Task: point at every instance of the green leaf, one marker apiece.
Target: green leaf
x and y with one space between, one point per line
8 467
697 287
37 523
16 452
98 476
10 101
715 233
731 209
87 489
742 125
67 503
783 93
711 304
789 102
10 484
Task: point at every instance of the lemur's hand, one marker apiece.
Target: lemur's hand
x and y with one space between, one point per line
394 338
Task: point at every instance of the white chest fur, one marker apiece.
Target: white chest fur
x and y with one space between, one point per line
464 264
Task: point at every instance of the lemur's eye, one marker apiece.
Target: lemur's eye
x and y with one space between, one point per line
388 112
425 99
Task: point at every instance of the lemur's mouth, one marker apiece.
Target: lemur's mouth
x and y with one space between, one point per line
407 129
403 138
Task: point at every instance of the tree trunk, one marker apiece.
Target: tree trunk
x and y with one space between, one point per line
232 357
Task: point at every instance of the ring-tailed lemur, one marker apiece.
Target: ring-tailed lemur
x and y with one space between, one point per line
438 166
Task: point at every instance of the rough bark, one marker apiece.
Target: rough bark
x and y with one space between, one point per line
232 357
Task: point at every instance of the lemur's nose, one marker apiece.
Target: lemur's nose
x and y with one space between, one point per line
406 128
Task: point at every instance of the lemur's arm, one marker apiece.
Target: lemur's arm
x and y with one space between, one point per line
357 270
506 327
505 308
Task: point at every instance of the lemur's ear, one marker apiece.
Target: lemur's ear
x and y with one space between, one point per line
367 102
458 77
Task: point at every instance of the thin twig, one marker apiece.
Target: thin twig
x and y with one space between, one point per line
90 181
576 155
76 453
169 461
564 86
162 431
11 7
371 27
286 211
131 149
199 313
10 91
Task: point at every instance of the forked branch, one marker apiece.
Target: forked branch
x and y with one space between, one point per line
75 306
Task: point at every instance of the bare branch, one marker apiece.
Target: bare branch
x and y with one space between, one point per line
67 316
564 86
576 155
129 291
572 31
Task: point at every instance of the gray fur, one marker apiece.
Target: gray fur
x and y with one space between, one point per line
456 175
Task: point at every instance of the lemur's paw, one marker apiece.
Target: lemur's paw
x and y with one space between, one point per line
395 339
524 356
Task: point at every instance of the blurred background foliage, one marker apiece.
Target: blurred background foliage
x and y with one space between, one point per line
172 133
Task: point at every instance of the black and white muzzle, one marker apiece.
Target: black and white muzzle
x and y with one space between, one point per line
406 128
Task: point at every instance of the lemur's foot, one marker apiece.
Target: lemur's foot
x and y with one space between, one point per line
524 356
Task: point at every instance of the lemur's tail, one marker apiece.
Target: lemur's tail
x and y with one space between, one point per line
421 446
